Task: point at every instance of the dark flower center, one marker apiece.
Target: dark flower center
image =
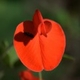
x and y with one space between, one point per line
28 34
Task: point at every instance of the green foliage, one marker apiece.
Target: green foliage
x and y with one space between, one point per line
12 56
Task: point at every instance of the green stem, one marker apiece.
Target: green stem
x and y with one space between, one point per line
40 76
68 57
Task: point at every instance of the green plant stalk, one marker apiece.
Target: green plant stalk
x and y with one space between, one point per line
40 76
68 57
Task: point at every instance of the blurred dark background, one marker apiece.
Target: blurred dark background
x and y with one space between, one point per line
65 12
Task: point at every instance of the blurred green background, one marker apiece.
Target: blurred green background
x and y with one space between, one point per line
65 12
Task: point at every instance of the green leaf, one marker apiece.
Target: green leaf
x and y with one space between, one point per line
12 56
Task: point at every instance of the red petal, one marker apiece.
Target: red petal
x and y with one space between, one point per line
37 19
27 48
27 75
52 46
35 78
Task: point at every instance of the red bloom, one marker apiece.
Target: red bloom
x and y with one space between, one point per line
39 43
27 75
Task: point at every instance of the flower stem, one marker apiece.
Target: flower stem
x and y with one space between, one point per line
40 76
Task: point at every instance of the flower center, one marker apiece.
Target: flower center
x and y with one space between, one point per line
28 34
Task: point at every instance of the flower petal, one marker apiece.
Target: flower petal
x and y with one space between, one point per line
27 47
27 75
52 46
37 19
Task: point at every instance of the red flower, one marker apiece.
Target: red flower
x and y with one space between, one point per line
39 43
27 75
